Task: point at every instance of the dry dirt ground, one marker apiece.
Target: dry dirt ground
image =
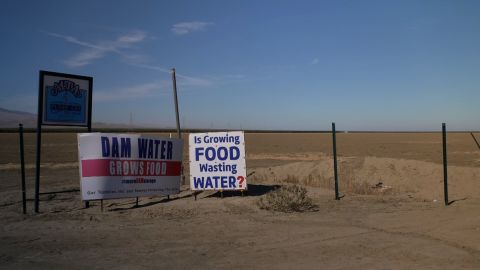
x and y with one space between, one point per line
402 225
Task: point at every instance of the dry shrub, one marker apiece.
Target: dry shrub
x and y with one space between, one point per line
322 181
350 183
292 198
347 179
359 187
291 179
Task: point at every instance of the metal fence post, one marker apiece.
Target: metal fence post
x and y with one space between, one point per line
22 167
334 137
445 171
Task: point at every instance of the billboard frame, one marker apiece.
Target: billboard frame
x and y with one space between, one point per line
40 119
42 100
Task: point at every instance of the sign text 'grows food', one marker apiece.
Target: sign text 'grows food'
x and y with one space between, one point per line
126 165
217 161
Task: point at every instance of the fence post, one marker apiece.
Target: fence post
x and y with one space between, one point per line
22 167
175 100
445 172
475 139
177 117
334 137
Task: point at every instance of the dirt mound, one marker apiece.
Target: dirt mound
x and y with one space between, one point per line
371 175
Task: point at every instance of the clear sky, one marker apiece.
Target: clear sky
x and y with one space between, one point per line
366 65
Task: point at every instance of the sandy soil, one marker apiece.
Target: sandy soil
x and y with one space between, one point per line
403 225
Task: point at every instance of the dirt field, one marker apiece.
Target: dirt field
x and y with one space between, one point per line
401 225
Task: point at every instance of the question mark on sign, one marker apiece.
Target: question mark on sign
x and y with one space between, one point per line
240 180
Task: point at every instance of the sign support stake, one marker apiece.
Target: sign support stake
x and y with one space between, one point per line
445 165
174 80
335 172
177 115
475 139
87 203
22 166
39 142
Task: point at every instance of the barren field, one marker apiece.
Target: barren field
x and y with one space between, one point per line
391 215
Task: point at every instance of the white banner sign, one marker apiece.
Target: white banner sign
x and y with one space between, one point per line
128 165
217 161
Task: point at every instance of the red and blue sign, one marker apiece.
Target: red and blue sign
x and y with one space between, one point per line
128 165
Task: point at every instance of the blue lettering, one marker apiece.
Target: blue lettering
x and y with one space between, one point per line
142 147
212 155
224 182
105 147
157 142
198 153
234 153
150 149
126 149
169 150
115 147
162 150
208 182
198 182
203 167
225 153
232 182
216 180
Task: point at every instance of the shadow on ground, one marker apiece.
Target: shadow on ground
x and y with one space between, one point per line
140 205
253 190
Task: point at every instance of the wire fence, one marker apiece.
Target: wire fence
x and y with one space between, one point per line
369 163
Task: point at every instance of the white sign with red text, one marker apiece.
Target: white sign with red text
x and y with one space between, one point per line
128 165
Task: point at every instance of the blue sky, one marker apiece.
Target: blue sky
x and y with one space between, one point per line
366 65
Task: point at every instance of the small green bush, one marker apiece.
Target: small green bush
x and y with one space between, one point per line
292 198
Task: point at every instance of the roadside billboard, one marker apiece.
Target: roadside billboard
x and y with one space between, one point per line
217 161
128 165
66 99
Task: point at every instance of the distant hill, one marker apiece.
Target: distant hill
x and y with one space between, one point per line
11 118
